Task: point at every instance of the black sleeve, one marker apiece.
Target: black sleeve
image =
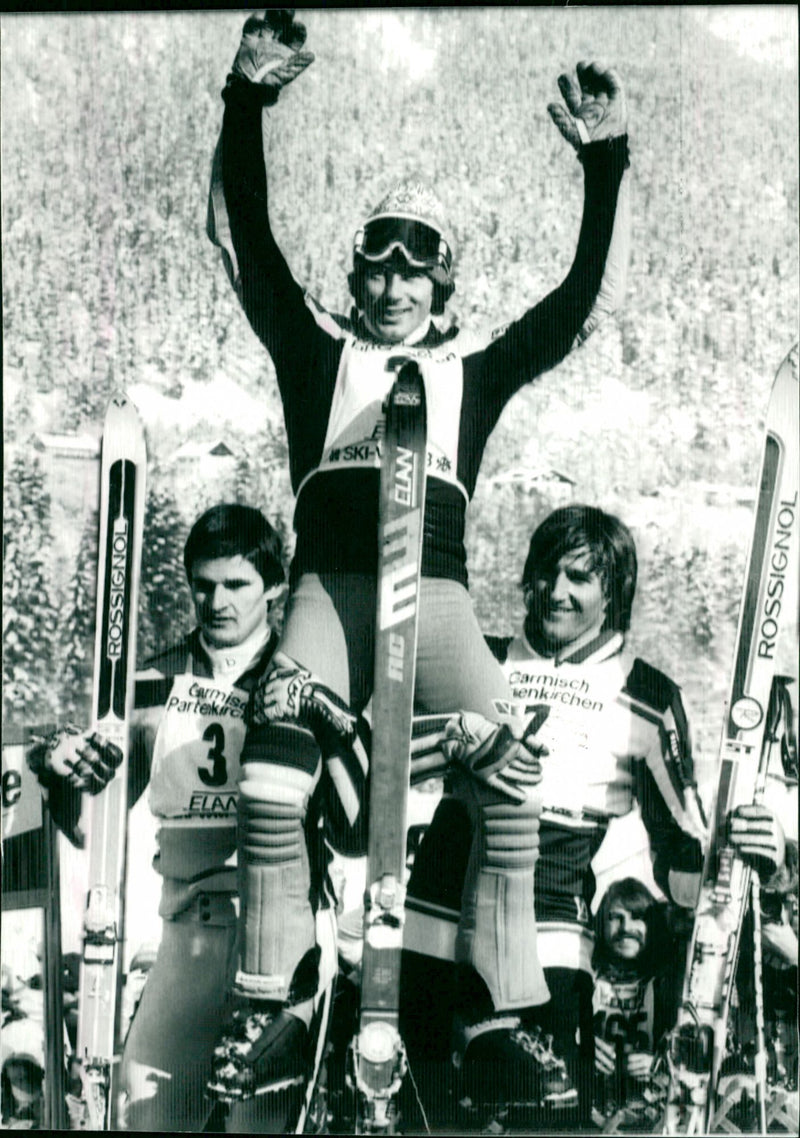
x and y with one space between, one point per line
672 847
139 763
668 991
546 333
273 301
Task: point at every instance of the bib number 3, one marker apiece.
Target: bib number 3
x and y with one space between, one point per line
218 775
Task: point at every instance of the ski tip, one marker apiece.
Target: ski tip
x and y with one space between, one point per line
122 410
123 432
789 365
121 401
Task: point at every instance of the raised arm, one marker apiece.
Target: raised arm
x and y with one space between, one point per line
269 57
594 122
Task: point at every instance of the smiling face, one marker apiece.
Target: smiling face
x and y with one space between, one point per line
397 299
625 935
229 599
566 604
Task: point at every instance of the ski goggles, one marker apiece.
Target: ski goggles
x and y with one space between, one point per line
423 246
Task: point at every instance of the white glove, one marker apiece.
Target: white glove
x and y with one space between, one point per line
605 1056
290 692
757 836
269 53
491 753
596 107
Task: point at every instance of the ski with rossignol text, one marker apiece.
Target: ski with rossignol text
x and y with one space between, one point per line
377 1058
697 1044
122 504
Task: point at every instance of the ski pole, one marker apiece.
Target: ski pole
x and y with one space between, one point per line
758 986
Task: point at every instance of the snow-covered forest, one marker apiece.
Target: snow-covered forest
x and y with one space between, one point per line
108 126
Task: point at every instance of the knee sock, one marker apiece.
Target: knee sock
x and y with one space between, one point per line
274 880
497 931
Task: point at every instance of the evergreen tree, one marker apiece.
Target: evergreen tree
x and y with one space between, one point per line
247 486
262 480
164 604
78 627
263 483
30 608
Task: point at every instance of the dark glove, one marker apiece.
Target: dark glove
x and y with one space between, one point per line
491 753
269 54
291 693
87 762
69 763
596 107
757 836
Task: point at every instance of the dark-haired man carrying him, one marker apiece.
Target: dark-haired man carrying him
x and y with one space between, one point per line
615 733
187 736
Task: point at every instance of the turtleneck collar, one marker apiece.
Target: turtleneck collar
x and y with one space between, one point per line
600 647
234 661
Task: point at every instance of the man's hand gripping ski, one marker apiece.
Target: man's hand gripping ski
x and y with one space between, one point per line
490 752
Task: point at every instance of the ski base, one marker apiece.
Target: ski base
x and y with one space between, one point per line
377 1060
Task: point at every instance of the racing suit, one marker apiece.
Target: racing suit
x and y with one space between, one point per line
617 734
333 378
187 736
633 1012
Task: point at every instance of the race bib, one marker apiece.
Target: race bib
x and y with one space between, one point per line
624 1011
585 730
356 423
197 751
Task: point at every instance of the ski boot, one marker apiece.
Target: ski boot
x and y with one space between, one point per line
262 1050
503 1065
640 1114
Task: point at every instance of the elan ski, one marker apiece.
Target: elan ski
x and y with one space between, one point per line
697 1045
377 1059
122 501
